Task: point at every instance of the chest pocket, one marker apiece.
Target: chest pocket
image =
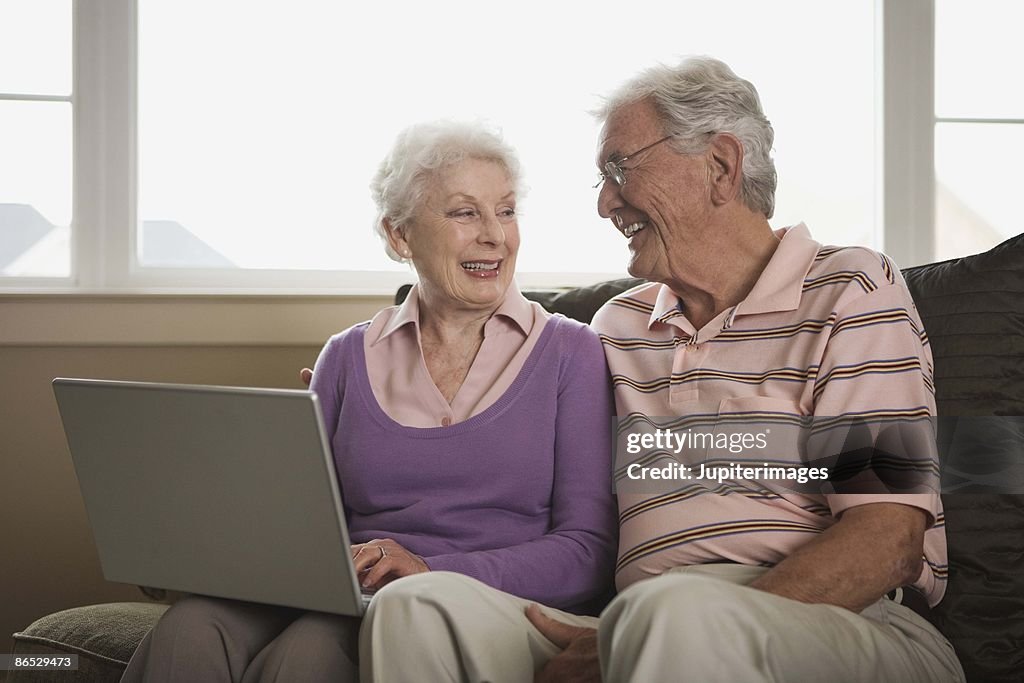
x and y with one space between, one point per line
759 429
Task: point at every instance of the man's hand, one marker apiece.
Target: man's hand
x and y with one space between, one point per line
306 375
381 561
578 661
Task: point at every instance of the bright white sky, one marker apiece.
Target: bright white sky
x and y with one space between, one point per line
261 128
979 66
261 123
35 137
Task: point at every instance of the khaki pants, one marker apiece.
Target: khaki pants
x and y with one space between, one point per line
696 624
220 641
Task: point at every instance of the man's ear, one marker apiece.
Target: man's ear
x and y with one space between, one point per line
725 153
396 238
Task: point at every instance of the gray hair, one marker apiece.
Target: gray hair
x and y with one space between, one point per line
702 96
420 151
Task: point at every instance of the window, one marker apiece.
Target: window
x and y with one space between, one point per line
228 146
260 156
979 124
35 139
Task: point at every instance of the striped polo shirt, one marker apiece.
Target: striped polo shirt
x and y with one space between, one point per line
825 332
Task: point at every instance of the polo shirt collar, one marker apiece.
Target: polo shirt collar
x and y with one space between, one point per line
514 306
778 288
667 306
781 283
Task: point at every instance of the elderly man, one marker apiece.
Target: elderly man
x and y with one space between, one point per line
719 584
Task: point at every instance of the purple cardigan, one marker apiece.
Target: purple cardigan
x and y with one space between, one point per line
518 496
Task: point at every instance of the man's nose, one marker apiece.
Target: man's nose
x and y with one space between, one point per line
609 199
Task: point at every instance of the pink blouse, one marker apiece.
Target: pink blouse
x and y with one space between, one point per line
398 373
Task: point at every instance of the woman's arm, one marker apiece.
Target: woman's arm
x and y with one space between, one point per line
326 382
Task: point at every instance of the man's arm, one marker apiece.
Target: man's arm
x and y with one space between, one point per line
871 550
878 542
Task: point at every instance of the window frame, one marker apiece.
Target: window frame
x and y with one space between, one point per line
906 139
105 142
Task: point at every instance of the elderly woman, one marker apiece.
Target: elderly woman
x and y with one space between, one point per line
469 429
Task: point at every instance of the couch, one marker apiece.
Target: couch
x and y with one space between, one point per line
973 311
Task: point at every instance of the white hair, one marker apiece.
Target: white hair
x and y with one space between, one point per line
702 96
422 150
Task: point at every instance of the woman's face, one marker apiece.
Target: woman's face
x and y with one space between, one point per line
464 236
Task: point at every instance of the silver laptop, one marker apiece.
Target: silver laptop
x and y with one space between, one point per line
221 491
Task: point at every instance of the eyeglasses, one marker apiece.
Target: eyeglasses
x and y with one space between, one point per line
613 168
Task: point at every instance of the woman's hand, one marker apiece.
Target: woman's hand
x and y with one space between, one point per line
382 560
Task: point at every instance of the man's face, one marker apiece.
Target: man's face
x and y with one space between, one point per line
663 207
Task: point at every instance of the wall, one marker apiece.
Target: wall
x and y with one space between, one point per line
47 558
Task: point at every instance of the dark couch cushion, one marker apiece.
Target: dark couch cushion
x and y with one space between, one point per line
578 303
581 303
973 313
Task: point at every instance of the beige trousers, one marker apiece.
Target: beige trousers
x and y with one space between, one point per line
694 624
219 641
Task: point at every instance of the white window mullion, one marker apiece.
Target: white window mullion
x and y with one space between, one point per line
104 178
907 139
87 183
